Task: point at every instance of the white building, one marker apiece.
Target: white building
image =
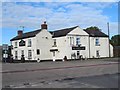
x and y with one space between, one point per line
72 42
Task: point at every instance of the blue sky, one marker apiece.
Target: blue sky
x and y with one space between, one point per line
58 15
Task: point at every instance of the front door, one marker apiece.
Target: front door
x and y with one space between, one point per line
53 55
78 54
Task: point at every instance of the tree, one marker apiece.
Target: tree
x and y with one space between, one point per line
115 40
92 28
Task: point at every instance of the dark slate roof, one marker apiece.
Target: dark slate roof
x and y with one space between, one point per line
26 35
96 33
62 32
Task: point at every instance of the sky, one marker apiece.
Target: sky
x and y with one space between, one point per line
58 15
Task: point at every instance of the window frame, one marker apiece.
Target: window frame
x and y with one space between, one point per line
29 43
16 44
77 40
38 51
97 42
29 54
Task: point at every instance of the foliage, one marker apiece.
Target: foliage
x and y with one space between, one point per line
92 28
115 40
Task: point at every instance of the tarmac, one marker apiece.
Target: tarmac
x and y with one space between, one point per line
95 73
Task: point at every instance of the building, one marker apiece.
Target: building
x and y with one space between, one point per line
73 43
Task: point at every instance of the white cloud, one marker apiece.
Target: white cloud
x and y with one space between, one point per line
58 15
60 0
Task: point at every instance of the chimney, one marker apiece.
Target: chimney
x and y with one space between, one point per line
44 26
20 32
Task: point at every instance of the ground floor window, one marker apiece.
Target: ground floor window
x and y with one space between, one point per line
29 54
97 53
38 51
78 54
54 53
22 52
16 54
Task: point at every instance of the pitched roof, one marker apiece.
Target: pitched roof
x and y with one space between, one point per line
26 35
96 33
62 32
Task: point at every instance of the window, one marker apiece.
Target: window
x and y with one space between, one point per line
71 40
29 54
78 41
54 42
97 53
38 51
29 43
16 54
97 42
15 44
22 52
78 53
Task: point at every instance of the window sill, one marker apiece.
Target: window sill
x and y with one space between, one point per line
97 45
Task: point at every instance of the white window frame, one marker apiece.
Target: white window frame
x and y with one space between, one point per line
16 44
77 40
22 52
29 42
16 54
97 42
29 54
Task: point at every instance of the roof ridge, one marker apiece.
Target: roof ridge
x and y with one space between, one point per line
65 28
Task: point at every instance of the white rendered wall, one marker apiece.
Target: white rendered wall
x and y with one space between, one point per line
44 42
103 48
25 48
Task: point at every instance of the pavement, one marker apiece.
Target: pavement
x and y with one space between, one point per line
102 73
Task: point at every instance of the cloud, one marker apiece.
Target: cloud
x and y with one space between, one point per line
60 0
58 15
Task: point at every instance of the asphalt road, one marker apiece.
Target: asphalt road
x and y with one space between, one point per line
69 74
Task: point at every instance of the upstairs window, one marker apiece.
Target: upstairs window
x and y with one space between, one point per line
77 40
29 43
15 44
97 43
71 40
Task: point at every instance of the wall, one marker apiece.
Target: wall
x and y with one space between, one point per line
25 48
64 47
44 42
103 48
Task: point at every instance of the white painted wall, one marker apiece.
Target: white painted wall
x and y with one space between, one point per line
38 42
25 48
64 47
103 48
44 42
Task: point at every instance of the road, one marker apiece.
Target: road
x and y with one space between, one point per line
69 74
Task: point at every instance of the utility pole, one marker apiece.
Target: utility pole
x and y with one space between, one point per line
109 38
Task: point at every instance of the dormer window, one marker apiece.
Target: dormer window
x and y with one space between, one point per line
29 43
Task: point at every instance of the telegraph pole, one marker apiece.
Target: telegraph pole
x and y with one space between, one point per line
109 38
